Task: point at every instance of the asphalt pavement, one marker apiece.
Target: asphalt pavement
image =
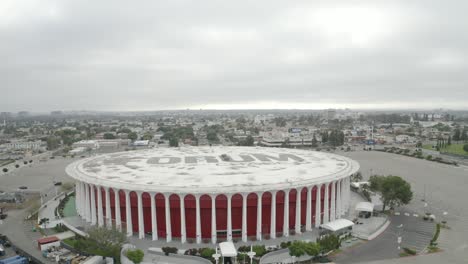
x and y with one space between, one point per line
443 189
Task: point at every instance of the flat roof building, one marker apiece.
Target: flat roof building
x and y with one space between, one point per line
236 192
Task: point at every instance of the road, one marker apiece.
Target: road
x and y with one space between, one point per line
21 235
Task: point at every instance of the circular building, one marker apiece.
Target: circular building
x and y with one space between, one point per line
205 194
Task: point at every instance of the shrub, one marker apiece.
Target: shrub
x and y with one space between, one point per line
5 170
191 252
17 166
243 249
25 162
329 243
207 253
429 157
285 244
410 251
135 255
168 250
436 235
259 250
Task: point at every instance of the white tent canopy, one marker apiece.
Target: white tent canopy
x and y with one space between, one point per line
365 207
227 249
337 225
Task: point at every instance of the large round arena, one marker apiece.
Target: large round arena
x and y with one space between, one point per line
210 194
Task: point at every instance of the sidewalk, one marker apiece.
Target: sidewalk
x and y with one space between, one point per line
48 211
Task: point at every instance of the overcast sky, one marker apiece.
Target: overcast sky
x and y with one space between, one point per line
151 55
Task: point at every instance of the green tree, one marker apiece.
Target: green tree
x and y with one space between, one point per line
464 135
394 191
147 136
300 248
312 249
465 147
103 241
109 136
325 137
449 141
249 141
135 255
125 130
457 135
52 143
173 142
329 243
280 121
297 249
132 136
314 141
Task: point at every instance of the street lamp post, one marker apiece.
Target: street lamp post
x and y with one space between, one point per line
399 238
251 254
216 256
444 219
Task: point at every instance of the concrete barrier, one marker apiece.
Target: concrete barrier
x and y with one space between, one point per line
186 257
379 231
277 252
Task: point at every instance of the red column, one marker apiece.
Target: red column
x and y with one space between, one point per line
252 214
205 216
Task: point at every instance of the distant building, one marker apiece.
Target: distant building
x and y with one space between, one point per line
25 145
23 113
77 151
141 143
56 113
5 115
93 144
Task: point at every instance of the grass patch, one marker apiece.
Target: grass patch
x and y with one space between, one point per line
436 235
4 162
70 241
433 249
454 149
408 252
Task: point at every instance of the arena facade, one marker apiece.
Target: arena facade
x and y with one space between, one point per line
213 194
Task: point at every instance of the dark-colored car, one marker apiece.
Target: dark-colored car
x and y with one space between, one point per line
23 187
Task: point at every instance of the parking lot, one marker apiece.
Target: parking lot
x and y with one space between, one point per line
443 187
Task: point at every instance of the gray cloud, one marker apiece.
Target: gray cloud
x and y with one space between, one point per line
120 55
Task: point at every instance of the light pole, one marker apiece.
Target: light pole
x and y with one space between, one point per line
216 256
251 254
444 219
399 238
